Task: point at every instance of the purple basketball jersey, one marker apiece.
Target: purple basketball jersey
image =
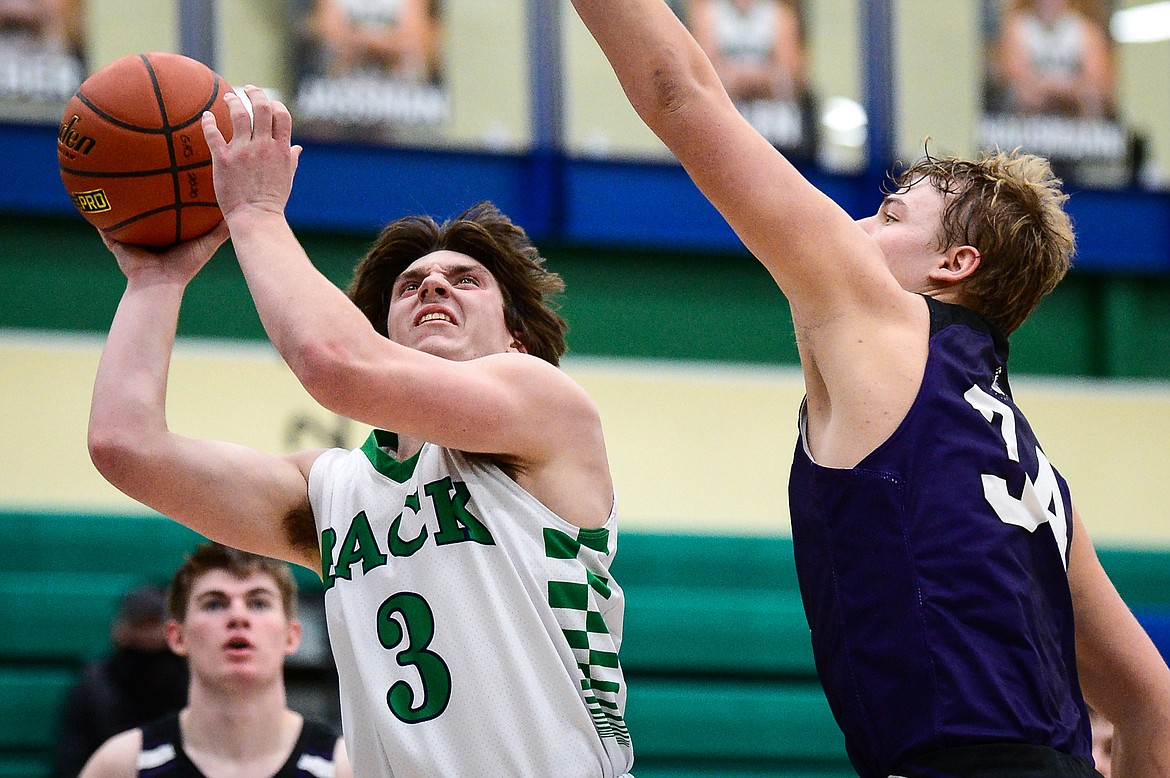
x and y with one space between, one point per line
934 572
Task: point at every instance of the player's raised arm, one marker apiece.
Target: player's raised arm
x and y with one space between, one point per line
814 250
1120 669
450 370
230 493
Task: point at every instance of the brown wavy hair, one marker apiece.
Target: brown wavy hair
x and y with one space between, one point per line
1010 207
240 564
485 234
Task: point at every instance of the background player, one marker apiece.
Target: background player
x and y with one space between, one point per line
233 619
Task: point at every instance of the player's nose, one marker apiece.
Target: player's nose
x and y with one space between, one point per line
434 285
238 612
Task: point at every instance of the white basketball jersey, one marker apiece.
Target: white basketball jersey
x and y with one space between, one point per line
1057 50
475 631
745 35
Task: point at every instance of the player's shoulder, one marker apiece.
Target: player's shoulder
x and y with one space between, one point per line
341 764
116 758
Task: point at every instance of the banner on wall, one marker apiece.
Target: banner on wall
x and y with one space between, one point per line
1050 88
41 58
370 70
758 49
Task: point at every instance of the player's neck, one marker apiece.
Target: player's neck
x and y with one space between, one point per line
237 722
407 447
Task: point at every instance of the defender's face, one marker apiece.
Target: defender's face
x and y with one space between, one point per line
449 305
907 227
235 630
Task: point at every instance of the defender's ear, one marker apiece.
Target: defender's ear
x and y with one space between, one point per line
957 265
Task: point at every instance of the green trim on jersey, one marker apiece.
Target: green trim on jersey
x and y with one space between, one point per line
571 599
375 450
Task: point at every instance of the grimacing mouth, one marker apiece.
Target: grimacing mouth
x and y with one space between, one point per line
434 313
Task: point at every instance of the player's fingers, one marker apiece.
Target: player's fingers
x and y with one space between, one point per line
296 157
211 133
261 112
281 122
241 122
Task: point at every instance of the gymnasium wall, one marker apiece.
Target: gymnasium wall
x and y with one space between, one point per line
690 357
704 334
936 85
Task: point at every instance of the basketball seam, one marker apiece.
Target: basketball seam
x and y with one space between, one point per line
135 173
156 211
139 128
162 108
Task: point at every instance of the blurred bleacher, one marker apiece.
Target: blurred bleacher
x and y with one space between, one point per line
716 649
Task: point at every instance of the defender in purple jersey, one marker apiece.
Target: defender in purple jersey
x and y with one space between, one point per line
957 605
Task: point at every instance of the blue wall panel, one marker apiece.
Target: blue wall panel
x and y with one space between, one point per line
351 188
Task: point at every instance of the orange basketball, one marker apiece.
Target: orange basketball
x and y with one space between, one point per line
132 153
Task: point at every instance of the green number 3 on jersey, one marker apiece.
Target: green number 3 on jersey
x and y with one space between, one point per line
412 650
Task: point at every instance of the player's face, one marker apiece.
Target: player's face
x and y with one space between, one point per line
449 305
907 229
235 630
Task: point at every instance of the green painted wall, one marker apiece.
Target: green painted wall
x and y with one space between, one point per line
56 275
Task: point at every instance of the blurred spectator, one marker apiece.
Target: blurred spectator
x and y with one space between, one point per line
140 681
370 70
390 37
1054 58
755 46
48 24
41 53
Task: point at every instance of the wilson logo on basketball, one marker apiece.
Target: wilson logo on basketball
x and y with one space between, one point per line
93 201
74 140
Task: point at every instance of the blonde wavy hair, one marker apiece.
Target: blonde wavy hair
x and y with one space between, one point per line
1010 207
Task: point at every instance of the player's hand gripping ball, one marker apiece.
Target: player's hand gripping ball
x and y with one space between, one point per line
132 153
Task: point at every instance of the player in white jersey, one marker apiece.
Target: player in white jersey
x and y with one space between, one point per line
466 552
501 617
1055 60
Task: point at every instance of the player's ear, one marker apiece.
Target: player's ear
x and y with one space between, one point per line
175 637
957 265
293 637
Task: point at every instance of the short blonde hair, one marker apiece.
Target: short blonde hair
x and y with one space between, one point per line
1010 207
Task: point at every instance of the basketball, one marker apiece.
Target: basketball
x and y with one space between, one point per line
131 148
